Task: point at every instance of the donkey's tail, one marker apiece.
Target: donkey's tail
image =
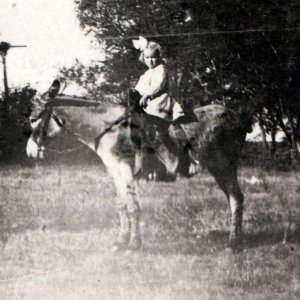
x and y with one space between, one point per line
246 119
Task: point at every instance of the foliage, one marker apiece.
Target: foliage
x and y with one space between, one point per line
237 53
14 128
203 63
254 156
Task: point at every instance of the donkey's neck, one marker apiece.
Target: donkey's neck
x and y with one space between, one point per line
87 122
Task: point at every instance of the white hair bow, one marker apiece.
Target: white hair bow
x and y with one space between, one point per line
140 44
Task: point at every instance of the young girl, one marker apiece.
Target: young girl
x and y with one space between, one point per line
153 85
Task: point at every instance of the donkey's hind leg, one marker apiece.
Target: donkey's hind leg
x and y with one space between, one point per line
236 201
228 182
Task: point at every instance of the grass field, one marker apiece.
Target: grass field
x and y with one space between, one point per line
58 222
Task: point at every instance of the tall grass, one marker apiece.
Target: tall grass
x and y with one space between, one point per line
58 222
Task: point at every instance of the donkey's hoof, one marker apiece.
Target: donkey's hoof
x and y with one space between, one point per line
118 247
193 168
237 249
235 245
123 239
135 244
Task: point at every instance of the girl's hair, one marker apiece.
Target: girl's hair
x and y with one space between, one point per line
153 46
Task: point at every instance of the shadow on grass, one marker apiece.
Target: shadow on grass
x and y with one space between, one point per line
212 242
217 241
271 237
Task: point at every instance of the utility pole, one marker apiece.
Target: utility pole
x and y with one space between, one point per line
4 47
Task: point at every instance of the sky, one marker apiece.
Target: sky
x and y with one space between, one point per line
52 34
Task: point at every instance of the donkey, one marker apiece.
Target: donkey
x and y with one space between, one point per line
216 136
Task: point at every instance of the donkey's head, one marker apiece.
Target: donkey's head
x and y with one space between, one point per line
43 122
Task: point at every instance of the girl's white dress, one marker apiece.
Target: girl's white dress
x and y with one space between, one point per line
155 82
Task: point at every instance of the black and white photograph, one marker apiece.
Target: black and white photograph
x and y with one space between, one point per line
149 149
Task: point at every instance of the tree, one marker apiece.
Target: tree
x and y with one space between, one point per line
13 136
230 52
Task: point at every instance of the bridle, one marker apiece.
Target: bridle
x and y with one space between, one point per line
40 133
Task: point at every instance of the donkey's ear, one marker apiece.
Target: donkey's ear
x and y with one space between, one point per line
54 89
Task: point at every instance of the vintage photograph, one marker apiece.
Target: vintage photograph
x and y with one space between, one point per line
149 149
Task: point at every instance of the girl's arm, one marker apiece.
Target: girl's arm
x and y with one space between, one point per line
159 81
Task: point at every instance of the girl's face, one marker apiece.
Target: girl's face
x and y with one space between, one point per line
151 58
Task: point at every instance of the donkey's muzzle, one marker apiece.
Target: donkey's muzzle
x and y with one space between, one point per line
33 150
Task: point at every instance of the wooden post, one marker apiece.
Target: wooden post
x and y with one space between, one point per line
4 106
6 93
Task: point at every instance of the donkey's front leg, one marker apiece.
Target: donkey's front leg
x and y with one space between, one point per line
129 215
134 220
124 230
128 207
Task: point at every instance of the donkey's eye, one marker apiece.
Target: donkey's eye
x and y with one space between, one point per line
33 120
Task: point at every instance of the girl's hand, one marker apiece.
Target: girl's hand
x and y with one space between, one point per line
143 101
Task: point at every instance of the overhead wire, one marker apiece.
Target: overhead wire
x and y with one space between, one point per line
205 32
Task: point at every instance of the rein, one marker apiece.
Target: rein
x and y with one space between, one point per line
109 128
69 150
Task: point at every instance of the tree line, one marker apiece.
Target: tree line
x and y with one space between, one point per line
242 54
